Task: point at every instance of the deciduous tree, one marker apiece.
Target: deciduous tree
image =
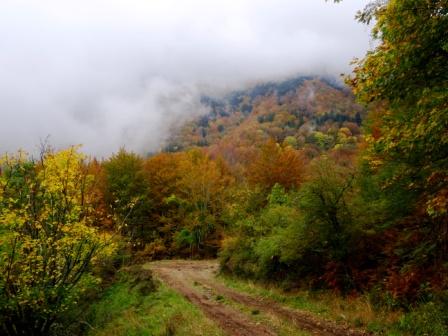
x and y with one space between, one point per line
48 238
277 164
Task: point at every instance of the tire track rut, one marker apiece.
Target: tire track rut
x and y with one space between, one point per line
186 276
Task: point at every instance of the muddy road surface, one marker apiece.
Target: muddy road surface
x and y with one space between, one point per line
230 309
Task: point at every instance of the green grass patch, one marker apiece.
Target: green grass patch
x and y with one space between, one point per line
123 310
303 300
428 319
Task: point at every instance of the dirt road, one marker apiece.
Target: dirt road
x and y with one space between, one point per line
196 280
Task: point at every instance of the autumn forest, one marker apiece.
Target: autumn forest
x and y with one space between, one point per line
312 187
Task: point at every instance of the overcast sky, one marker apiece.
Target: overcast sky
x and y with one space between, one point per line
108 73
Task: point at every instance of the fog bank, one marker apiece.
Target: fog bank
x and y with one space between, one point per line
119 73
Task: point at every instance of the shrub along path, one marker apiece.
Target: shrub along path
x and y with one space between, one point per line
235 311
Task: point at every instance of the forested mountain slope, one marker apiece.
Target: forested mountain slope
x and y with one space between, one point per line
312 112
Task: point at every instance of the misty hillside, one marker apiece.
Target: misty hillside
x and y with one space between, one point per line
303 111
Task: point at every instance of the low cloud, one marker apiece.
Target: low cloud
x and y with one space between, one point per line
119 73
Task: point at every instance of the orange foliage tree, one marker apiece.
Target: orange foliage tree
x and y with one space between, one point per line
277 164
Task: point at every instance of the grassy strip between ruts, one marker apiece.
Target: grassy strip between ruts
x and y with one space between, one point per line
281 327
124 311
354 311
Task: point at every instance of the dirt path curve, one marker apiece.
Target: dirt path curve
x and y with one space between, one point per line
196 280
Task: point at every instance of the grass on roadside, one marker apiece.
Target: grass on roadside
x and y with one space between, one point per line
123 310
354 311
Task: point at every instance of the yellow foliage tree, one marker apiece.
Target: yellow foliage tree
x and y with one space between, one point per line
47 238
202 191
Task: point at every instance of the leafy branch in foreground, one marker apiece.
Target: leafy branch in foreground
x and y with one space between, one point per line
48 238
